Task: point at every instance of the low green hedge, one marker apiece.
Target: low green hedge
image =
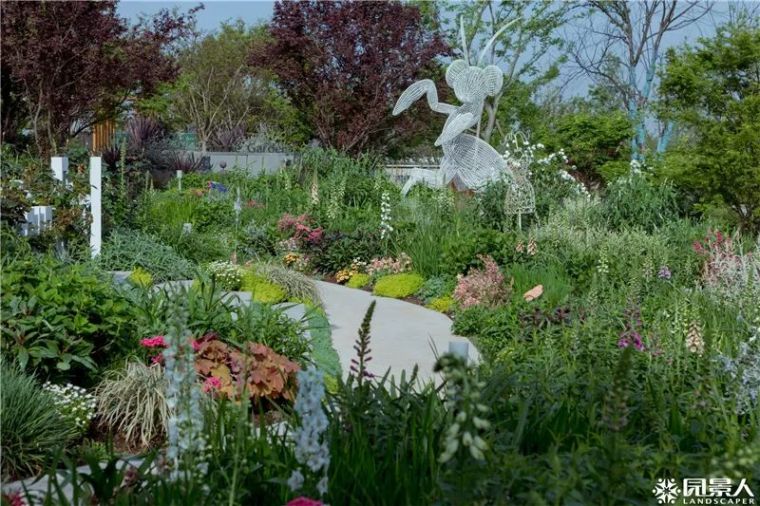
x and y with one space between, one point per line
398 286
262 290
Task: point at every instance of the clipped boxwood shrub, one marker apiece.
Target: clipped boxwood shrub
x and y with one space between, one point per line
398 286
359 280
441 304
262 290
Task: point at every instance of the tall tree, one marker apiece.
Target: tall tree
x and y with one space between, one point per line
75 63
523 51
344 63
218 94
625 52
713 89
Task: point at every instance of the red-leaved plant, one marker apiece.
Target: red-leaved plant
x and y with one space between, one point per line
482 286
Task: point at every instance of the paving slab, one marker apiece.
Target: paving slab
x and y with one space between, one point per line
402 334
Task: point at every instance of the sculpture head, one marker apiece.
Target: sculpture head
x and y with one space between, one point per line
473 84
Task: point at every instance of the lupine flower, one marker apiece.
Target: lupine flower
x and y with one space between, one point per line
664 273
310 451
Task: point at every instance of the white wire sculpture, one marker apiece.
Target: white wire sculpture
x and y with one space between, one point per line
520 197
469 162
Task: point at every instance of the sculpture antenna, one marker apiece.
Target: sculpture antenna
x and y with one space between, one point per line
465 50
493 39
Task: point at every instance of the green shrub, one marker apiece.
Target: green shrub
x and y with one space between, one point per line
262 290
269 325
126 250
32 427
436 287
635 202
359 280
140 277
441 304
398 286
64 320
297 286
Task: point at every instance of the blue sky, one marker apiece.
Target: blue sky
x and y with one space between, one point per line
214 13
255 11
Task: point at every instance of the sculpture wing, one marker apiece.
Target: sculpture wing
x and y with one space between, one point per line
455 127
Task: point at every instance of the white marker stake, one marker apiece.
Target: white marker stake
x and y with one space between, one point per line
460 349
179 180
96 227
60 166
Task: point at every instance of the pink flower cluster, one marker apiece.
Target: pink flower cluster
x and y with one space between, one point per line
389 265
300 226
153 342
481 286
304 501
212 383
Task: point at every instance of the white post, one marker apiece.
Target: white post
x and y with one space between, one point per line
179 180
460 349
96 227
60 166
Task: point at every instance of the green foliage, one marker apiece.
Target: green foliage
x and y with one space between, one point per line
140 277
298 288
261 289
359 280
436 287
635 202
442 304
32 427
593 140
713 89
398 286
125 250
63 320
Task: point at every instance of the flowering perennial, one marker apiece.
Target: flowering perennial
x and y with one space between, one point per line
389 265
481 286
73 403
311 451
463 402
385 215
186 439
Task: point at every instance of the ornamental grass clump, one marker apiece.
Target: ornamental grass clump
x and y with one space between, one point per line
311 449
482 286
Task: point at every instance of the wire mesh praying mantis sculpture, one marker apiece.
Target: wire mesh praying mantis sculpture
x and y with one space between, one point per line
468 162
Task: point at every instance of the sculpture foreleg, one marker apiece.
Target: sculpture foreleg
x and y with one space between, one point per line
415 91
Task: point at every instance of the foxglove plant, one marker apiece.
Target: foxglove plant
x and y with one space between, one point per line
186 441
385 215
311 450
462 391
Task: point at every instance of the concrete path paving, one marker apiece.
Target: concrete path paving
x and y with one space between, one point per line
402 334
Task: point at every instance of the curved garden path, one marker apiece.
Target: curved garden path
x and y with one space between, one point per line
402 334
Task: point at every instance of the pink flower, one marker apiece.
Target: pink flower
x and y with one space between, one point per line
157 359
211 383
481 286
153 342
304 501
16 499
195 344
